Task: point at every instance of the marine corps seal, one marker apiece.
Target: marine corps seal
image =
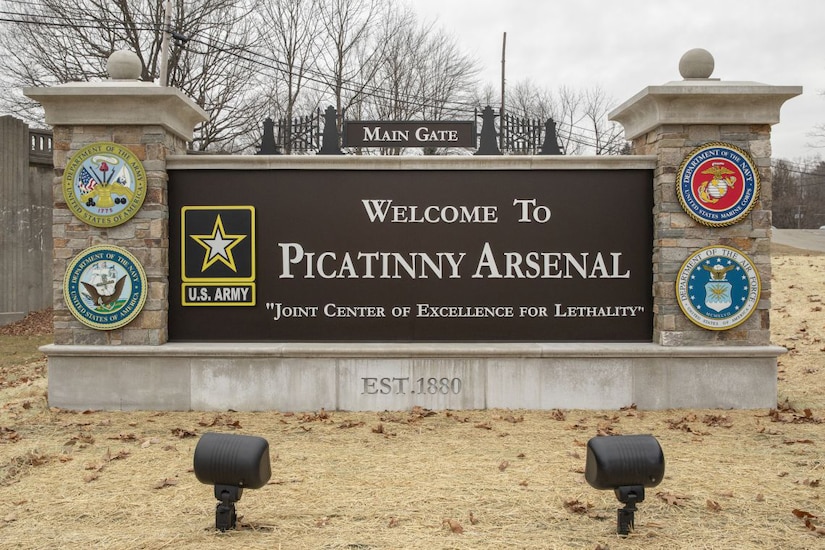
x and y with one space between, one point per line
718 184
718 287
104 184
105 287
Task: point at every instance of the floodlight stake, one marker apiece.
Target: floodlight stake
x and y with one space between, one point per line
225 516
630 495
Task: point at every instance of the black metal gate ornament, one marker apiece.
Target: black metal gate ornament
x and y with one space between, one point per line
489 143
551 139
330 144
268 144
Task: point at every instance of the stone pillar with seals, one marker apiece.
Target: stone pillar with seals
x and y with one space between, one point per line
111 218
708 135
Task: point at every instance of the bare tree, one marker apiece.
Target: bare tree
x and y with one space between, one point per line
785 190
580 116
291 47
608 137
397 75
422 73
526 100
798 193
347 58
447 76
57 41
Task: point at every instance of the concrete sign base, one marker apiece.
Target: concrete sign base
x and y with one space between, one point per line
383 376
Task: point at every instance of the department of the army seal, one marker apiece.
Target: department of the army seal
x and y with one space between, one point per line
718 184
105 287
718 287
104 184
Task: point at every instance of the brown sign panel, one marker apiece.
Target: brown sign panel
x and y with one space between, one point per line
409 134
413 255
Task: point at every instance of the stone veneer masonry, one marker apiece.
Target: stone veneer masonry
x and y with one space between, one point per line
676 235
146 235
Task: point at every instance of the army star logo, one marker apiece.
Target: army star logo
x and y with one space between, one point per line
218 246
218 255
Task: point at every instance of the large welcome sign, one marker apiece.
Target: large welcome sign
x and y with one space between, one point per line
412 255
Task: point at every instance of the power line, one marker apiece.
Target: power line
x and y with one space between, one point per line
574 133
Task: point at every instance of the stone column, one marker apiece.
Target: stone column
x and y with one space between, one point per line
671 120
152 122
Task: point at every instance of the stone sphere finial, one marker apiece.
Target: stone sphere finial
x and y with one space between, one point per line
696 63
124 65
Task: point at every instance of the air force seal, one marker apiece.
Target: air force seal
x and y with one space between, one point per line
718 184
105 287
104 184
718 288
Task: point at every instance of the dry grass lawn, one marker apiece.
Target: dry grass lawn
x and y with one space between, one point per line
421 479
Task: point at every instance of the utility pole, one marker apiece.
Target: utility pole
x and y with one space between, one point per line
501 110
164 45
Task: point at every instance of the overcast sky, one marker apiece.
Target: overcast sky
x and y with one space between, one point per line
627 45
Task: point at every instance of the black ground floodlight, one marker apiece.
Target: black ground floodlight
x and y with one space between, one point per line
231 463
627 464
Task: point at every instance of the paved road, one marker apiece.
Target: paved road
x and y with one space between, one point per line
806 239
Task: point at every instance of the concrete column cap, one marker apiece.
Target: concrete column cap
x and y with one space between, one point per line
117 103
702 102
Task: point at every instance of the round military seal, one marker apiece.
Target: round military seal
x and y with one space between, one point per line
104 184
718 184
105 287
718 287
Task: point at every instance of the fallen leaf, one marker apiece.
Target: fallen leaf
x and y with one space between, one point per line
350 424
715 420
124 437
165 482
576 506
503 465
181 433
811 527
713 505
672 499
455 527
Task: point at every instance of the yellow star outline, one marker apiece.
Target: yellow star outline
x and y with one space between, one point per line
218 246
